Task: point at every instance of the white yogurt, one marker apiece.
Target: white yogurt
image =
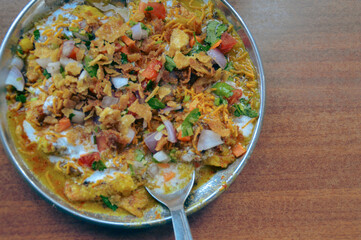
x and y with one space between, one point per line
48 103
30 131
241 123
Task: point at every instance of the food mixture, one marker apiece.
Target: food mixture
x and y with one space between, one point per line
105 96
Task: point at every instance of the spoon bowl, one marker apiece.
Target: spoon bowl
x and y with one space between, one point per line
175 202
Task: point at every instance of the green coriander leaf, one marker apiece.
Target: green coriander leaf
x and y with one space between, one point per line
189 121
20 98
198 47
149 8
73 29
172 155
129 33
155 160
219 100
71 115
108 203
87 44
229 66
244 109
187 129
132 23
159 42
98 165
221 29
139 155
19 50
95 139
46 74
62 71
150 86
144 27
156 103
169 63
92 70
96 129
65 36
214 30
90 36
223 89
36 35
124 58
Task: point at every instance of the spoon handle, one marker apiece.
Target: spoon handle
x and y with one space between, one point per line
181 227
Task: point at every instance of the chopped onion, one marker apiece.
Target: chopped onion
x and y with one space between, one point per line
218 57
119 82
138 33
17 62
78 117
68 47
43 62
161 156
53 68
16 79
167 109
130 135
208 139
108 101
84 74
151 142
153 170
172 137
138 165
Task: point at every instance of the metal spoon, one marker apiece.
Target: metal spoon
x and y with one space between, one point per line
175 202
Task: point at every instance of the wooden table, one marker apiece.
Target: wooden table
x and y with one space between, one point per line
303 179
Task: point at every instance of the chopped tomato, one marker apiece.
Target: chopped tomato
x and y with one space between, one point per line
128 41
163 165
151 72
183 139
192 41
88 159
74 53
63 124
102 143
125 50
157 9
238 150
227 42
237 94
168 176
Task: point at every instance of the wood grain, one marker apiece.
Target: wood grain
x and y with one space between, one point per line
303 179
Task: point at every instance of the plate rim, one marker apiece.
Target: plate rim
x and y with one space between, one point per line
196 207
